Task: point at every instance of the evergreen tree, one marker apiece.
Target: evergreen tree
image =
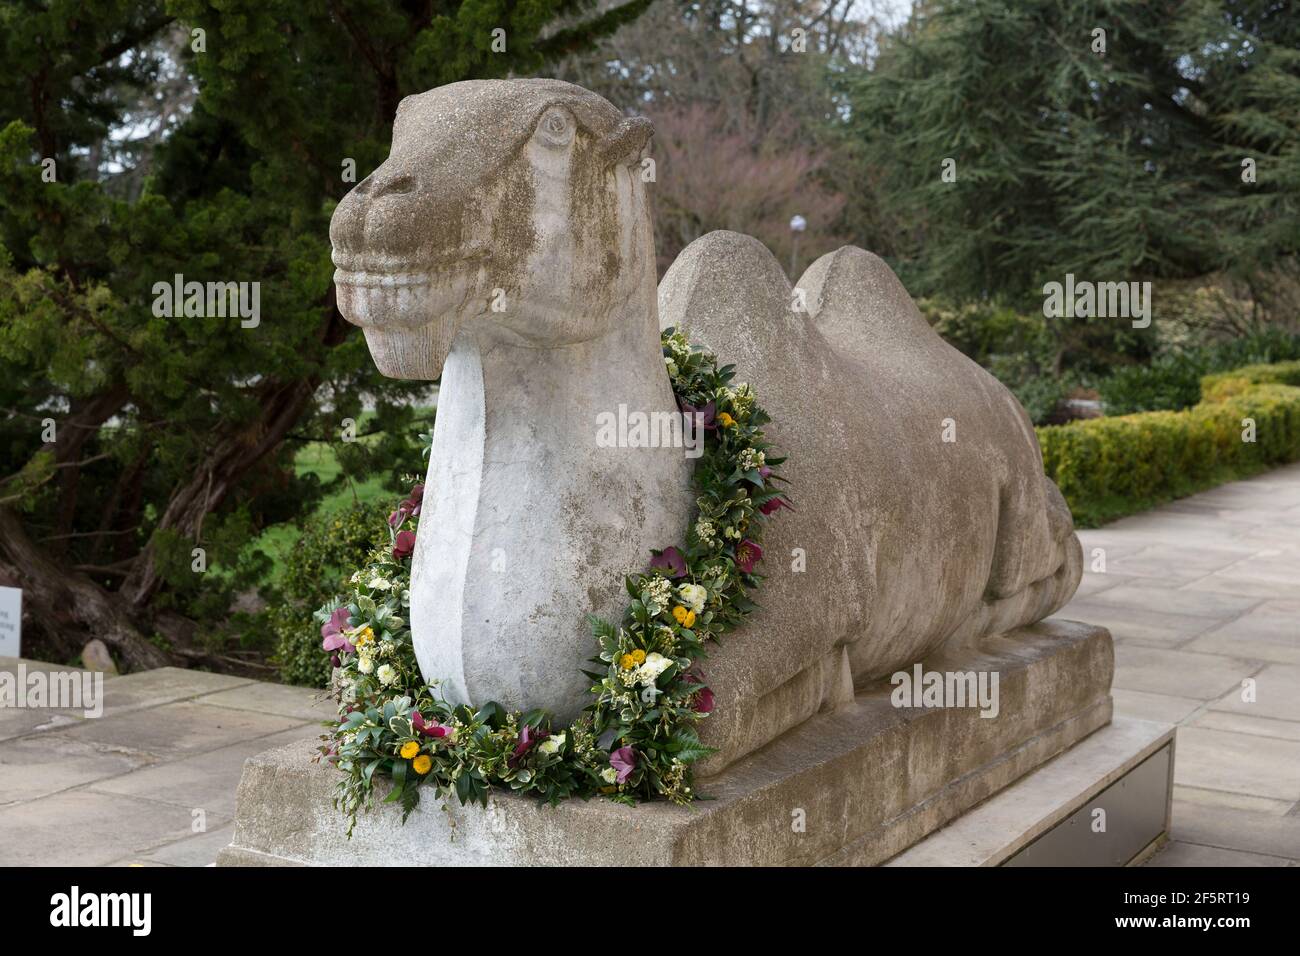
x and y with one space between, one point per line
128 438
1104 138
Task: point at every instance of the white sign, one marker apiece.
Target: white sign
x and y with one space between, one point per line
11 621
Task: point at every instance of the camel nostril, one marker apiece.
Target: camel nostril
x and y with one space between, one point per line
392 185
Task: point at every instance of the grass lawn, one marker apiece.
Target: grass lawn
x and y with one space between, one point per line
319 458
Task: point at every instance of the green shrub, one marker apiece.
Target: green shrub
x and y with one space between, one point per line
1173 381
1169 382
1108 467
316 569
1216 388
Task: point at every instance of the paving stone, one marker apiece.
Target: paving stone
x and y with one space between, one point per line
205 781
1158 707
1175 563
82 828
1132 625
1192 854
198 850
1232 801
1269 632
1200 605
41 764
1156 671
1248 724
305 703
1238 763
162 686
1241 584
1276 694
178 730
1236 829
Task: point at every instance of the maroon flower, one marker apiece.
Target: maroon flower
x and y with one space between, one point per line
624 761
404 544
397 517
703 696
670 560
416 501
748 554
528 738
702 416
332 631
773 505
429 728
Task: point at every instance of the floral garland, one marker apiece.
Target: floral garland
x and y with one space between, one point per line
637 738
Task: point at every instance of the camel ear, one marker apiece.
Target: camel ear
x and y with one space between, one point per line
626 141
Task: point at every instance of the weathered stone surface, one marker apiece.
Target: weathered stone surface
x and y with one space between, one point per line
854 786
506 244
913 543
524 195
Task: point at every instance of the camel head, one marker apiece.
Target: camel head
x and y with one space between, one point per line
515 205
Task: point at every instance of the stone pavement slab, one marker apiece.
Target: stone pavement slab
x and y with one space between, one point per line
150 781
1202 594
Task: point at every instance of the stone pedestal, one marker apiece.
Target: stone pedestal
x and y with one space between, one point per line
856 786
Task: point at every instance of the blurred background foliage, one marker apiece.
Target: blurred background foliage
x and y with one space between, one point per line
208 139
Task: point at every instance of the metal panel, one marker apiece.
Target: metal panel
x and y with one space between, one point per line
1135 813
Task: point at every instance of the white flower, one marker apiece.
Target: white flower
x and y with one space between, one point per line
551 744
365 664
693 596
609 775
387 674
655 664
672 367
379 584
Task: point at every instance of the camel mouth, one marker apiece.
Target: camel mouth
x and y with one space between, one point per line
367 279
370 271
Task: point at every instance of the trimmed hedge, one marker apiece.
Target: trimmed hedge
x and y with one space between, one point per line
1110 467
1215 388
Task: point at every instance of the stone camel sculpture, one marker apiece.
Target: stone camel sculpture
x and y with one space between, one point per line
506 245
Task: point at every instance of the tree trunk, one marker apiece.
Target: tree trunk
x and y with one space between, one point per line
69 606
231 458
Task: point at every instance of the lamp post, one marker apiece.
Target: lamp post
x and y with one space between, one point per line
797 225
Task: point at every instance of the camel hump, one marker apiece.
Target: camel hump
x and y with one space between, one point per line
725 281
857 302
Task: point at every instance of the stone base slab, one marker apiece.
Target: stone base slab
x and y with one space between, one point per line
853 787
1049 817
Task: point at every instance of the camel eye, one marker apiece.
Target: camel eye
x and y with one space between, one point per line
556 128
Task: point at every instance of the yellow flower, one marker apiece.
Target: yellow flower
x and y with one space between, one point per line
421 764
638 656
685 617
364 637
410 749
725 420
627 662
